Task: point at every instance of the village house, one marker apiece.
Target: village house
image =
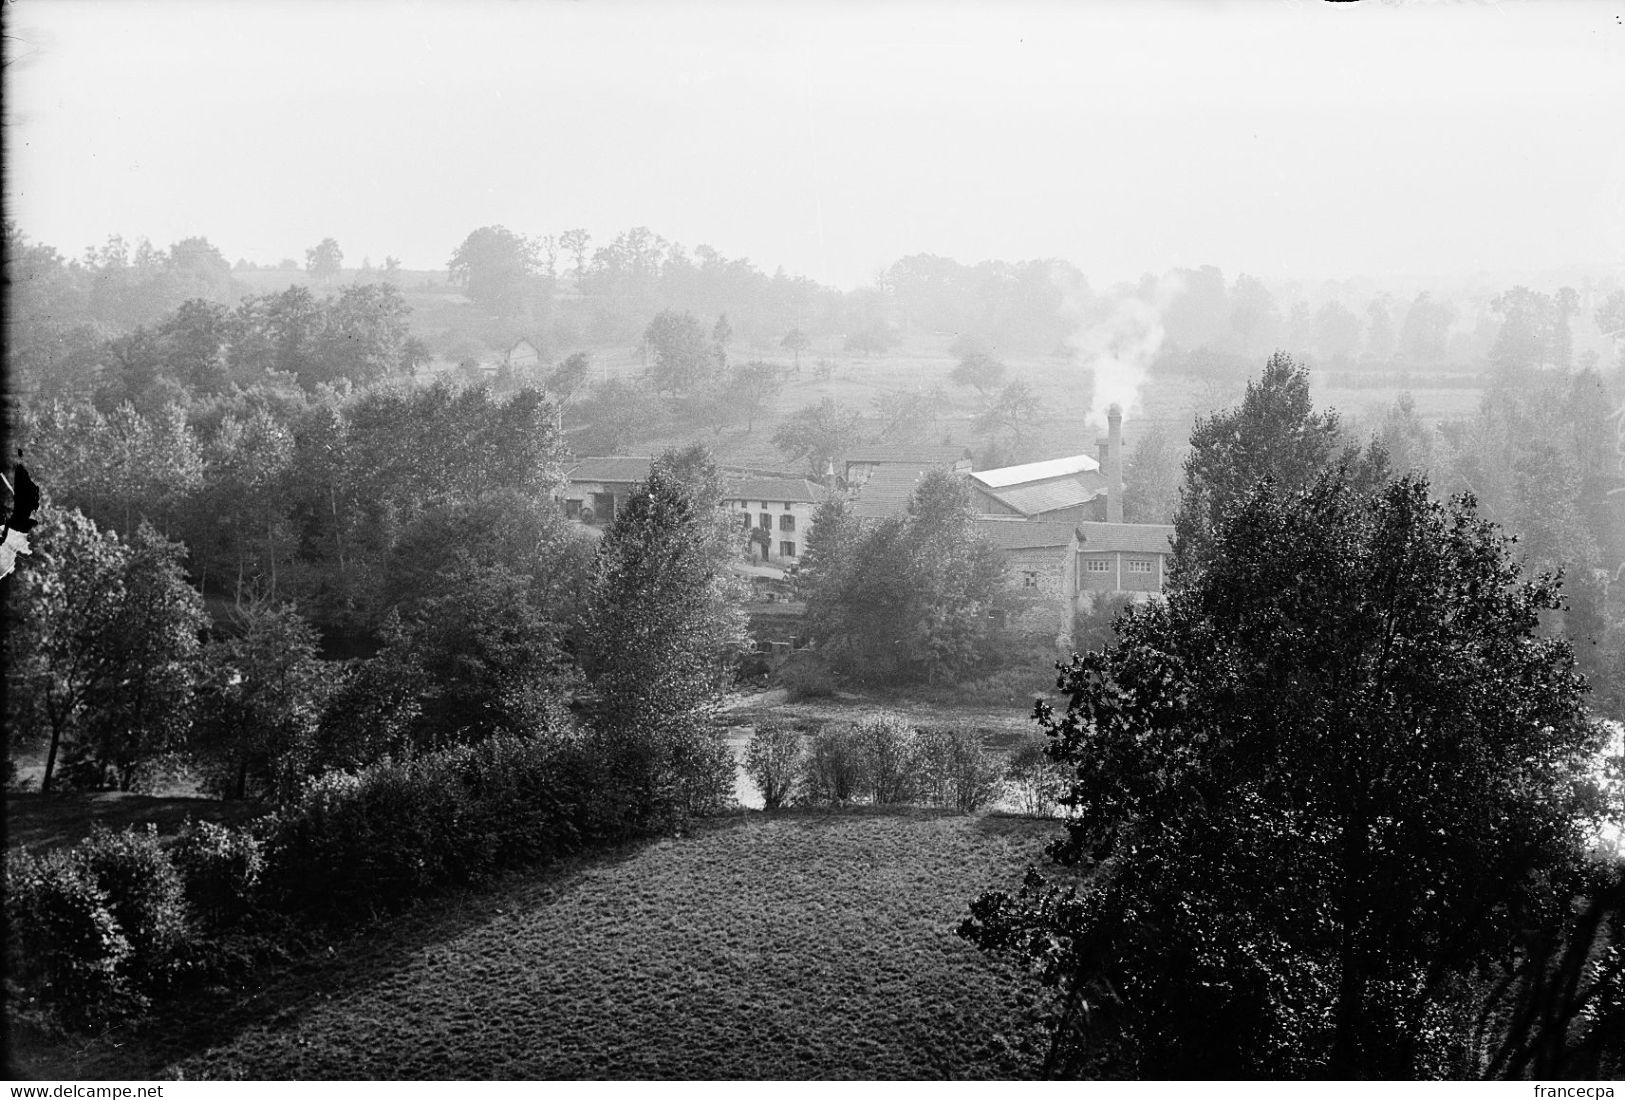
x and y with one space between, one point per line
780 507
522 356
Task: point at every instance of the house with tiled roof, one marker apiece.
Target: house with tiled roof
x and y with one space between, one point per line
780 507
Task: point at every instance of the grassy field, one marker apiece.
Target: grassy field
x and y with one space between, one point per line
804 945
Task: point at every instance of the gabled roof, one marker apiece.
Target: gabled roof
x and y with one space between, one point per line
621 468
1025 534
772 488
1053 495
1006 476
922 455
1130 538
886 492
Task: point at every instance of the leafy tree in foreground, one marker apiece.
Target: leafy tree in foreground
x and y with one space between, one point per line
659 636
263 707
1338 772
100 642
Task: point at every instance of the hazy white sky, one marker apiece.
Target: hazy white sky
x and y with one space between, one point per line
1283 139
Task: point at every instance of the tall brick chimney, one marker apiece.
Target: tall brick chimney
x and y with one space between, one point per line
1110 447
1114 464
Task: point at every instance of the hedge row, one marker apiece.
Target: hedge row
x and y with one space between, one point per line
882 760
100 929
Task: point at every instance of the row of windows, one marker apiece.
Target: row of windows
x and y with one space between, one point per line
765 522
1135 565
745 504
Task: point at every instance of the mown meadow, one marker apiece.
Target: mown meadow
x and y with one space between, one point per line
804 945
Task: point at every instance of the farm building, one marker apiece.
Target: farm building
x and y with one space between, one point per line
596 486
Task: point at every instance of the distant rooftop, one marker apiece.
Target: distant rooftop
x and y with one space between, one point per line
886 492
923 455
1130 538
1024 534
617 468
772 488
1036 471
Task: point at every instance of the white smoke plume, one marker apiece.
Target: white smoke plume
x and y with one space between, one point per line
1117 338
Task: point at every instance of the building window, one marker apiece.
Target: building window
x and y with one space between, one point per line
1029 579
1099 565
787 523
787 549
764 521
1138 566
746 518
572 509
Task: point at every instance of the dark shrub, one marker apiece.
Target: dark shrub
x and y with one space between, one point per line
888 759
145 895
831 769
773 759
956 770
1035 779
395 830
221 868
64 941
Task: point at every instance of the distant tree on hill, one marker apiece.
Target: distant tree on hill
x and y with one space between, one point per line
1534 329
817 434
866 341
570 377
908 414
495 266
615 412
979 370
1012 410
683 357
1381 337
1426 331
1337 332
324 261
796 342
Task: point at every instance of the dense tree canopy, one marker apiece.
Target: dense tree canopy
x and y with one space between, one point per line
1340 769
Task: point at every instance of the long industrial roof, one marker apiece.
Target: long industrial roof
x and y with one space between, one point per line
1053 495
1006 476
